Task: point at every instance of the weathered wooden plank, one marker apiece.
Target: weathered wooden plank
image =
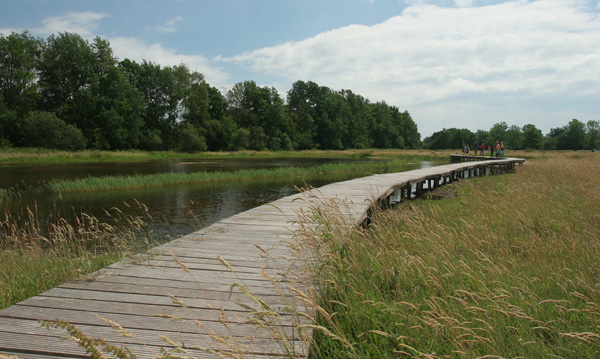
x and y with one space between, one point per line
217 300
129 321
201 277
190 337
188 284
49 346
163 291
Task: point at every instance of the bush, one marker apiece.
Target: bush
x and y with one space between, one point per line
44 129
240 139
151 140
190 140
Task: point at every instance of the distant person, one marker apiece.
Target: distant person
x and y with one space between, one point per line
502 149
482 148
475 148
492 150
497 149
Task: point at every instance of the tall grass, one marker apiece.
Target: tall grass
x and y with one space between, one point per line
508 269
34 258
175 178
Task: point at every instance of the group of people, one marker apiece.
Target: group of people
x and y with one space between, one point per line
495 149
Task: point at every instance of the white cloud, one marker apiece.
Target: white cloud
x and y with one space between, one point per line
170 25
463 3
429 53
137 50
7 31
82 23
86 24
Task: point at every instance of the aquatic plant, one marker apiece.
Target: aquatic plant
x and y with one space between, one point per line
178 178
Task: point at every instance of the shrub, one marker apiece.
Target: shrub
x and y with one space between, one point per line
190 140
44 129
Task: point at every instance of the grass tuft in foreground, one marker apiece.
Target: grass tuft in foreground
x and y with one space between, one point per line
510 268
34 258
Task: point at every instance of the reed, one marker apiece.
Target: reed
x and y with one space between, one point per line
173 178
508 268
35 257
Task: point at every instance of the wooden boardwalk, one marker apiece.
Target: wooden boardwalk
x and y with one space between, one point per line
144 294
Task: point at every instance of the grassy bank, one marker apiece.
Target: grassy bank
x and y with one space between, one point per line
45 156
509 268
35 259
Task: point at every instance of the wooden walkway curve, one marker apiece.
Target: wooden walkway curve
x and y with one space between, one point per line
144 295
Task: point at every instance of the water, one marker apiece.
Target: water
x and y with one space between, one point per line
171 210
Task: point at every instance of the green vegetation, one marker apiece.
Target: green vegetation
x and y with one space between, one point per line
508 268
42 156
79 95
574 136
34 259
173 178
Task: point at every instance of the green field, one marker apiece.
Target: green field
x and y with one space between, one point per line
504 267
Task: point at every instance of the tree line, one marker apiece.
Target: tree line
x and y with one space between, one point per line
66 92
576 135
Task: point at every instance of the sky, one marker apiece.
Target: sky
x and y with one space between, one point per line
449 63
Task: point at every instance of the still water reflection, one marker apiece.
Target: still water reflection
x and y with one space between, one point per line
171 210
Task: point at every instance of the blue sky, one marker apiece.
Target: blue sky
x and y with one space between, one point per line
449 63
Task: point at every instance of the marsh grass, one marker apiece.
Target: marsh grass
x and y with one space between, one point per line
173 178
35 258
509 268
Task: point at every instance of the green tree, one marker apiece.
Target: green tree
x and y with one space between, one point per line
555 139
483 136
498 132
593 134
118 106
217 104
19 61
574 136
382 131
451 138
66 72
409 131
513 138
197 104
532 137
357 114
259 110
303 99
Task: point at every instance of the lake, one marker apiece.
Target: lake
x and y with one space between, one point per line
170 211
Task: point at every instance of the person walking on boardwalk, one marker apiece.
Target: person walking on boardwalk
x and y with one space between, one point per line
482 148
502 149
497 149
492 149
